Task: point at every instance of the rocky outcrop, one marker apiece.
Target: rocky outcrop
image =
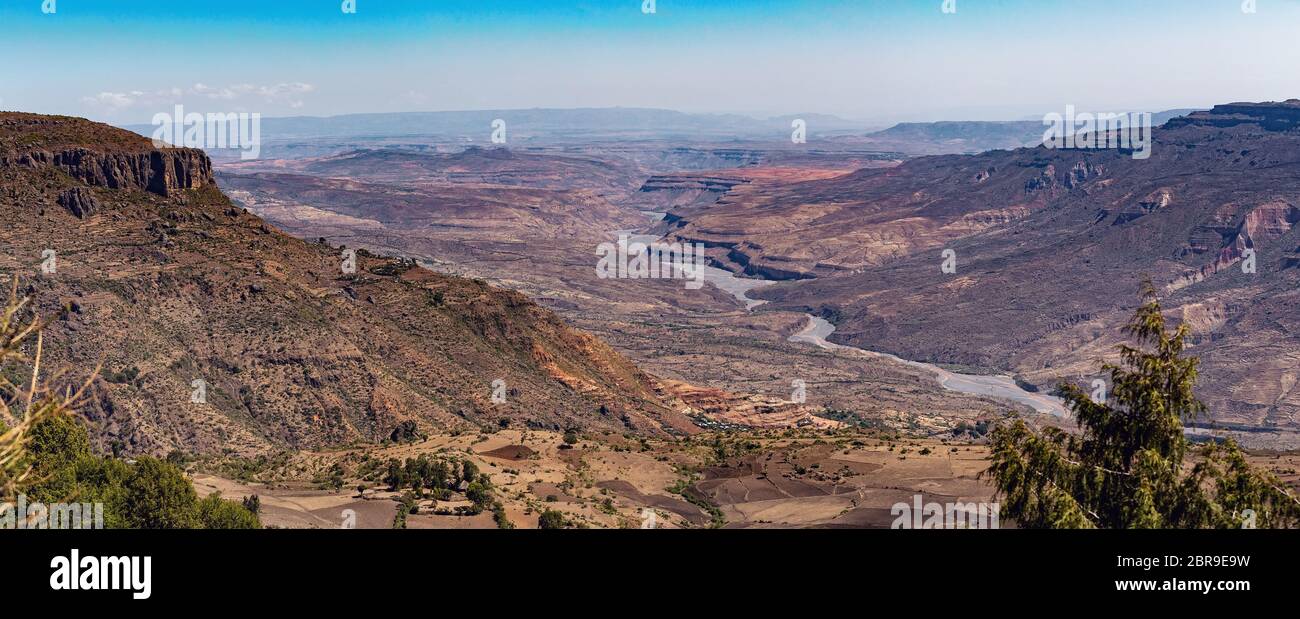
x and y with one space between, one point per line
1283 116
79 201
1152 203
1270 221
157 171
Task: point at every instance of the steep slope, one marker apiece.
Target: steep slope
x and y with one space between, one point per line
168 283
1050 247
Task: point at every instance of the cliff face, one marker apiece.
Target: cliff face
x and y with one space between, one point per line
161 171
81 150
170 283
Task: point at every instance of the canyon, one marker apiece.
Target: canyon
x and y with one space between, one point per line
828 368
857 237
1050 247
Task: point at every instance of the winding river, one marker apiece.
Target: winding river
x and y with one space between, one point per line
1001 387
818 329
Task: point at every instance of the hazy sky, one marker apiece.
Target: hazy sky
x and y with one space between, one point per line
122 61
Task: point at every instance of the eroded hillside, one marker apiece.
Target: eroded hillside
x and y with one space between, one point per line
167 283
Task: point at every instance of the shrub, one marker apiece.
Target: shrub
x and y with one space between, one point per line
551 519
217 513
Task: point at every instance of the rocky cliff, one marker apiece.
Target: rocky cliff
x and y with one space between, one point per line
124 162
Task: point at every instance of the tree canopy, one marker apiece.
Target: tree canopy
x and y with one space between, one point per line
1127 465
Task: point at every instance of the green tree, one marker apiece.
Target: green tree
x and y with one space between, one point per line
158 496
1124 468
336 479
439 474
468 471
409 502
396 475
480 493
103 480
57 442
55 445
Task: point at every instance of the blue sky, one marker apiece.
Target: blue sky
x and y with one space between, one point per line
123 60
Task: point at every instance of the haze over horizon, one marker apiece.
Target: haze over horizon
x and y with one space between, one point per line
874 61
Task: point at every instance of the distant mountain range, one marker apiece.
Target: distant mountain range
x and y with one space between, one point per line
547 125
974 136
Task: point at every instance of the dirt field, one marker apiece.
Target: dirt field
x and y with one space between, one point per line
794 478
